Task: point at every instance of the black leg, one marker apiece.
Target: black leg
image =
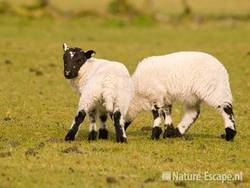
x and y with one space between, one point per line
92 135
118 128
156 131
74 129
111 115
103 132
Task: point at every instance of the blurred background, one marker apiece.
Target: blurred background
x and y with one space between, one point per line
157 10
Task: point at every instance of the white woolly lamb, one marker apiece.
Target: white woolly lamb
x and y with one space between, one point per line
190 77
104 86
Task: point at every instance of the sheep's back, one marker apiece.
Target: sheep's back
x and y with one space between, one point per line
179 74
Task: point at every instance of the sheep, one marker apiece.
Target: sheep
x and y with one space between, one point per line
189 77
104 87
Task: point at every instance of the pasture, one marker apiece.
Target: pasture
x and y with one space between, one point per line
38 105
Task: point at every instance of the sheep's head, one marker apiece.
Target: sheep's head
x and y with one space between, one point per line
73 59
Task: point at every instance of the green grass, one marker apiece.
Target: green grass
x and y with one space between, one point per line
161 6
165 9
38 105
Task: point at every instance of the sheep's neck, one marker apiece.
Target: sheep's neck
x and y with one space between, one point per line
82 77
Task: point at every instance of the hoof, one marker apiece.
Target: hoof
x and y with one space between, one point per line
230 134
103 134
156 132
171 132
92 135
121 139
70 135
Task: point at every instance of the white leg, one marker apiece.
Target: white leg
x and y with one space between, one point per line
228 116
122 125
156 131
191 113
169 131
92 120
167 110
229 121
92 126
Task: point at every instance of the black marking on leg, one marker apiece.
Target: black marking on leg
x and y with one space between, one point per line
156 132
103 134
111 115
228 109
126 125
103 118
167 110
78 120
171 132
92 135
230 134
92 116
169 128
164 116
155 112
118 127
197 115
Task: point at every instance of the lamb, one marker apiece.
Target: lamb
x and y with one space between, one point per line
104 87
190 77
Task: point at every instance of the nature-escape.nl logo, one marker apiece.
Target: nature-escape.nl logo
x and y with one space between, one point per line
201 176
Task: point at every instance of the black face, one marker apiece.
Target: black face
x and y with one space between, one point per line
73 59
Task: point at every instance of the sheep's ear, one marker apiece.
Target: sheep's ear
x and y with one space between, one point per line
65 47
90 53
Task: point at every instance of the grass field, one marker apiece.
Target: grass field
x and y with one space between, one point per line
204 7
38 105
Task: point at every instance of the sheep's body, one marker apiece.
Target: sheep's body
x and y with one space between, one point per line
190 77
104 87
103 84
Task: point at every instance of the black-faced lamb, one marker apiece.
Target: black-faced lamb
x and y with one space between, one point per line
104 87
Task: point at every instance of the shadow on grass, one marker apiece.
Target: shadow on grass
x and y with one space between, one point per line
83 135
138 133
204 136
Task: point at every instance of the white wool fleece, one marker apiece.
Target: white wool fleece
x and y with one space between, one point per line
103 83
185 76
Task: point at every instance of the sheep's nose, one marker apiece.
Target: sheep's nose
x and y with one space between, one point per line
67 73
